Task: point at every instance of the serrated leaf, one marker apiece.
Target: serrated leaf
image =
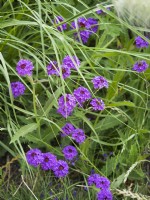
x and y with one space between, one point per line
23 131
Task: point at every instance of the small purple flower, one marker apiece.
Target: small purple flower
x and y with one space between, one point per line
72 62
97 104
61 169
70 152
81 23
93 24
67 129
141 43
100 82
100 12
48 161
66 104
104 183
17 88
78 135
65 111
67 99
24 67
82 36
52 68
81 94
85 28
94 179
140 66
104 195
65 70
58 20
34 157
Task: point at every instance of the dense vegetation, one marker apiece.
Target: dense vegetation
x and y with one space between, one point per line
74 102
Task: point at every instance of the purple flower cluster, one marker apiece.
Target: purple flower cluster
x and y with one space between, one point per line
67 129
58 20
67 102
141 43
17 88
77 134
100 82
140 66
72 62
61 168
70 152
81 94
47 161
66 105
85 27
103 184
34 157
68 63
104 194
52 68
24 67
97 104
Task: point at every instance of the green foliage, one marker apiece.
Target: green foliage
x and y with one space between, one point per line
117 138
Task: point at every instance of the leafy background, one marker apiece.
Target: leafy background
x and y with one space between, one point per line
121 131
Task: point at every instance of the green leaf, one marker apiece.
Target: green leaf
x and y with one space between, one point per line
122 103
23 131
117 182
109 122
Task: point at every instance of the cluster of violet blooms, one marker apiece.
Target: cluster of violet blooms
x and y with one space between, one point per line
84 27
48 161
141 65
101 183
67 102
76 134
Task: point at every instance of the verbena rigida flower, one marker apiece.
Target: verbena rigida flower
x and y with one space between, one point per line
17 88
140 42
94 179
85 28
58 20
24 67
82 36
97 104
100 82
104 194
34 157
71 61
67 129
49 161
140 66
66 105
78 135
61 168
81 94
70 152
99 181
93 25
52 68
65 71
